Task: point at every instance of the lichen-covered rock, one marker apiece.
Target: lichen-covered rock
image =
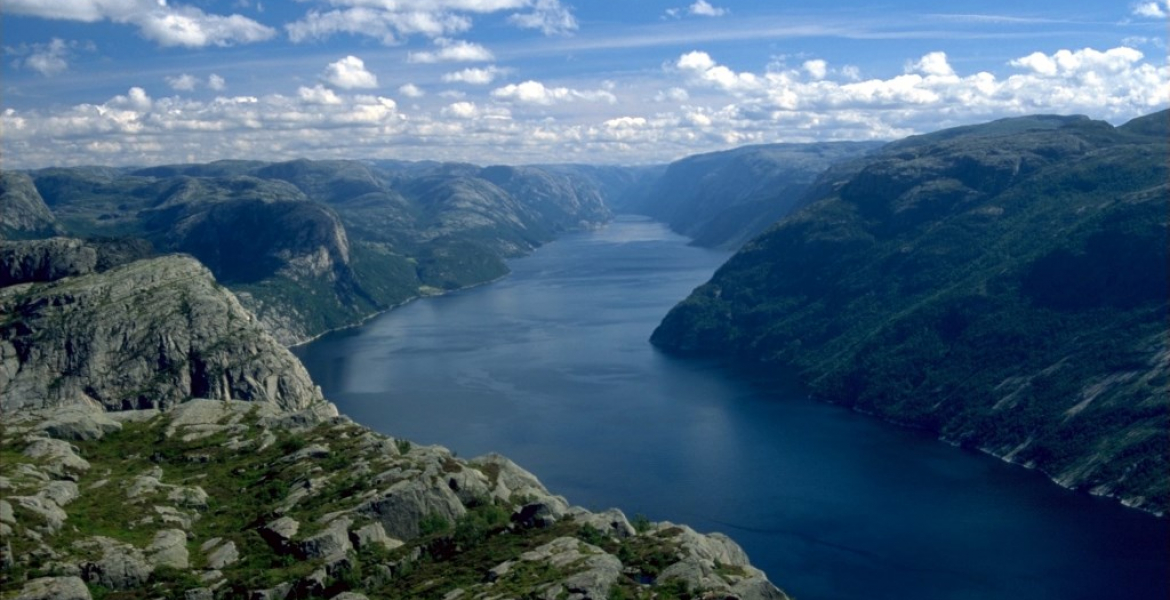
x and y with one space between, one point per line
403 506
224 555
169 548
152 333
333 540
121 567
55 588
279 533
78 423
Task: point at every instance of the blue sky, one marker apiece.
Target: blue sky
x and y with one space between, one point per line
139 82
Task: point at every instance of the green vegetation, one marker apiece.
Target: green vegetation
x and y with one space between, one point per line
318 245
226 482
1004 285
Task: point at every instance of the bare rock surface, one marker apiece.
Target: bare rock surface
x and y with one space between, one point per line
149 334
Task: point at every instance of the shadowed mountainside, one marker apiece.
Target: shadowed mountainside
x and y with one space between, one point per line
1004 285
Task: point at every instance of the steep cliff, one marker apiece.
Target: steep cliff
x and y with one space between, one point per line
316 245
723 199
1005 285
152 333
23 213
156 442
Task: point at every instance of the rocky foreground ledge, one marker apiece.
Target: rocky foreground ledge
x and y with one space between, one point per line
231 499
116 484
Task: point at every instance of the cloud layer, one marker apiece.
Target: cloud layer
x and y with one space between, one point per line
700 105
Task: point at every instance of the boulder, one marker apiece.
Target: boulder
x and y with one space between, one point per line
54 588
402 506
371 534
279 533
333 540
78 422
223 556
122 566
169 548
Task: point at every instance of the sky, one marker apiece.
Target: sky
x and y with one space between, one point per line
146 82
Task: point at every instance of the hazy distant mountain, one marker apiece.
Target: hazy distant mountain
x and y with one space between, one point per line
1005 285
315 245
726 198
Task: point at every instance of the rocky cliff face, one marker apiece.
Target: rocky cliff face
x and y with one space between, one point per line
311 246
156 442
151 333
1005 285
23 213
723 199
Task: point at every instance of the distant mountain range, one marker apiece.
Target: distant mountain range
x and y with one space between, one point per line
315 245
724 199
1005 285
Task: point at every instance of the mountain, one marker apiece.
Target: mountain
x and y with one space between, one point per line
144 334
1004 285
311 246
157 442
23 213
723 199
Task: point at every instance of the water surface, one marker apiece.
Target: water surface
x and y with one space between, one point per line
551 368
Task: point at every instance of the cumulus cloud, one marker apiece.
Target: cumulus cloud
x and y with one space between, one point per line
165 24
183 83
318 94
1115 83
411 90
389 27
471 111
1155 10
188 83
394 21
700 105
549 16
48 59
474 76
349 73
703 8
535 92
452 51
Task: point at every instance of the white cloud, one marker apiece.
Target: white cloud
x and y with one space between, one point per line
549 16
166 24
318 94
411 90
462 110
349 73
701 68
933 64
703 8
217 83
817 69
389 27
674 94
474 76
452 51
535 92
48 59
1155 10
183 83
701 105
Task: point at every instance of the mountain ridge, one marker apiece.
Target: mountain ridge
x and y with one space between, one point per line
1004 286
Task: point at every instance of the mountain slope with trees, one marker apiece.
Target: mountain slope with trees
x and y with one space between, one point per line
1005 285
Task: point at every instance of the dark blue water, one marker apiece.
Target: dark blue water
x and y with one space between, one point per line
551 367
